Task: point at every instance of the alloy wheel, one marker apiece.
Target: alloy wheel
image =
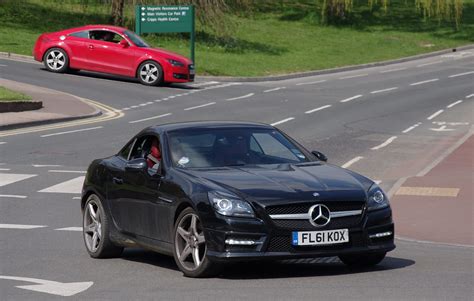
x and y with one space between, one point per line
190 243
92 226
55 60
149 73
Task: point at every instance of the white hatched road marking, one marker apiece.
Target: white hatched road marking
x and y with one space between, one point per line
435 114
241 97
151 118
354 76
23 227
453 104
200 106
310 83
425 82
274 89
384 90
9 178
13 196
351 98
70 132
282 121
352 161
461 74
318 109
71 186
70 229
382 145
393 70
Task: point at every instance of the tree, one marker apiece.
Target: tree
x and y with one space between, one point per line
116 17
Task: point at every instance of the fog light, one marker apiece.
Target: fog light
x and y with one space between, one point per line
382 234
241 242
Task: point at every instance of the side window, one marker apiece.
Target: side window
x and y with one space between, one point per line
254 145
139 150
80 34
126 150
105 35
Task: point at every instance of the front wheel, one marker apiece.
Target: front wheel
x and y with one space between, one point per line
363 260
190 246
150 73
56 60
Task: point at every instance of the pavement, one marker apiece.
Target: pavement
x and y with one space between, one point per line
57 106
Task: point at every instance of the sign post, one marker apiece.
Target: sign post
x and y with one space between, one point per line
166 19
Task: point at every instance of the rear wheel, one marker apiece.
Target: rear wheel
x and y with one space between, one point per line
56 60
190 246
150 73
363 260
96 230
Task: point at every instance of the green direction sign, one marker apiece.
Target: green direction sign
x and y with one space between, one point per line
165 19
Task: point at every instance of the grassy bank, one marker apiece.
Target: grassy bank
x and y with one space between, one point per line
7 95
268 40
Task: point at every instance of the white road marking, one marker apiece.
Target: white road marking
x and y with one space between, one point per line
133 107
70 132
425 82
352 161
76 197
411 128
9 178
310 83
70 229
387 142
2 65
149 103
204 84
378 182
453 104
351 98
432 63
125 109
71 186
13 196
157 100
435 114
393 70
318 109
2 142
384 90
67 171
142 104
461 74
442 128
151 118
200 106
274 89
241 97
46 165
470 95
63 289
171 97
282 121
354 76
22 227
5 169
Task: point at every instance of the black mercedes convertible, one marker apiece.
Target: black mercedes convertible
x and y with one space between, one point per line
214 192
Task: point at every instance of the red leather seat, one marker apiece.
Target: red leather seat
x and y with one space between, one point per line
155 155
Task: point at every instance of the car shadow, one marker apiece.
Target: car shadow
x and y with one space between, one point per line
149 257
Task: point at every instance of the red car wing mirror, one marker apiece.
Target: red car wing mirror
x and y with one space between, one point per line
124 43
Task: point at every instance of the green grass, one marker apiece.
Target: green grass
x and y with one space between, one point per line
7 95
272 39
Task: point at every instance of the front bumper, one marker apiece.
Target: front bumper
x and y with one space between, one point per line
273 243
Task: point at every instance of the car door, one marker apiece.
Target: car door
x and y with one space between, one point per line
109 56
77 43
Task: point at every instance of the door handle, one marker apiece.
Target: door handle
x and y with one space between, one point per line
117 180
91 46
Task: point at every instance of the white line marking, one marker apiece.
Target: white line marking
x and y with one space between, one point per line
282 121
387 142
46 165
432 63
274 89
171 97
411 128
240 97
424 82
354 76
133 107
470 95
76 197
67 171
318 109
5 169
73 131
2 142
14 196
310 83
461 74
204 84
63 289
142 104
149 103
351 98
435 114
70 229
150 118
16 226
9 178
125 109
2 65
200 106
71 186
453 104
384 90
393 70
352 161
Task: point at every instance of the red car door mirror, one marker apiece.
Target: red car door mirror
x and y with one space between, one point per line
124 43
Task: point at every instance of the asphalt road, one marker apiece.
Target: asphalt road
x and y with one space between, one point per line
386 122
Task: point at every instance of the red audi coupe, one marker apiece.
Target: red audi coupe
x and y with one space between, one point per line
113 50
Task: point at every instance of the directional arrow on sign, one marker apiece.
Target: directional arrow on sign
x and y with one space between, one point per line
51 287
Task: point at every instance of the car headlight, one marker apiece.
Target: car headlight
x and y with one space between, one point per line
377 198
230 205
176 63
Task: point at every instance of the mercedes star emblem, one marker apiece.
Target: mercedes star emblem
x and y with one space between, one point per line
319 215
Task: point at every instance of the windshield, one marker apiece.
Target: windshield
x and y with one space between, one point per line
135 39
204 148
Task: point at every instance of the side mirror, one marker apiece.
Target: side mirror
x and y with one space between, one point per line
123 43
136 165
320 156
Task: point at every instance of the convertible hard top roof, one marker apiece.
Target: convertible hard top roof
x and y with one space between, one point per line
205 124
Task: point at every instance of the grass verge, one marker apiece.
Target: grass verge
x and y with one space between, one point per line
7 95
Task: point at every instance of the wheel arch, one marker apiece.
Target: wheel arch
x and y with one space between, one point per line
147 59
59 47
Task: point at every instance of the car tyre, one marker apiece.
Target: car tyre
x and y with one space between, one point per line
150 73
56 60
362 260
190 247
96 230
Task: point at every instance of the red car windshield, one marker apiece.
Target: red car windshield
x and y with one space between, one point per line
135 39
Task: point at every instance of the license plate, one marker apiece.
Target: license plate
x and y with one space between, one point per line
317 238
